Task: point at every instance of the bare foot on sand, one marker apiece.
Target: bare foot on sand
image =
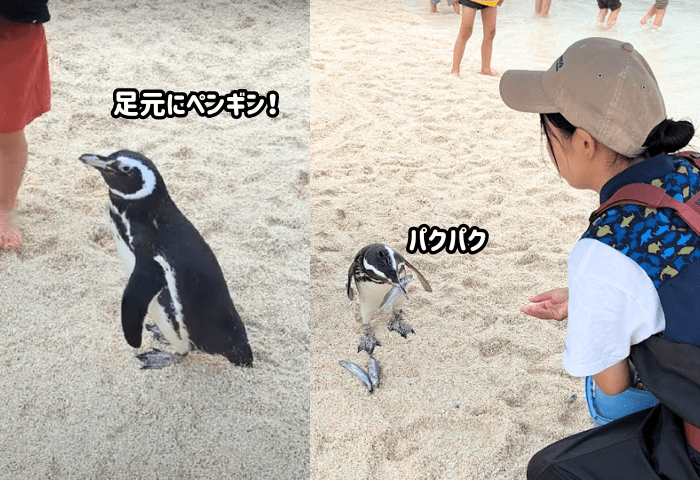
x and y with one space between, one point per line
456 74
489 72
10 238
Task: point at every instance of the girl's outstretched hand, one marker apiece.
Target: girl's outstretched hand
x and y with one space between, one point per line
553 304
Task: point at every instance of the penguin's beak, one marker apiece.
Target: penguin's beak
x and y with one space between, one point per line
94 161
396 282
403 289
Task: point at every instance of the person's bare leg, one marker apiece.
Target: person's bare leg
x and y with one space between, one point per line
433 8
13 158
538 7
601 15
465 31
647 17
455 6
613 17
545 7
488 18
659 17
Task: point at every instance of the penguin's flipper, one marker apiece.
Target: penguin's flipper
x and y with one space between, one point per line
423 281
351 295
146 281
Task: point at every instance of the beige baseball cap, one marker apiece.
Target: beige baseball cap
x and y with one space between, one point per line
599 84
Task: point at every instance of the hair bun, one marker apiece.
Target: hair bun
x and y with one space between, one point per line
669 136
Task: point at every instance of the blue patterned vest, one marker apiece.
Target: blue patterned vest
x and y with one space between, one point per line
659 240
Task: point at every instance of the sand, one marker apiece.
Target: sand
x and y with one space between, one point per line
396 142
75 403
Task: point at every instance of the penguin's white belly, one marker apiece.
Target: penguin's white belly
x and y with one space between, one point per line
372 294
371 297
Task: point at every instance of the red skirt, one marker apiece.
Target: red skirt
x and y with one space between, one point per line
25 88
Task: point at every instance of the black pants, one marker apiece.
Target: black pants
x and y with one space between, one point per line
646 445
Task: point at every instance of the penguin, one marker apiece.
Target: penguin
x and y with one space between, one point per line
376 269
173 274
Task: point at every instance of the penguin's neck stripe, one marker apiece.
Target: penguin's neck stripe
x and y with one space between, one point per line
370 267
149 180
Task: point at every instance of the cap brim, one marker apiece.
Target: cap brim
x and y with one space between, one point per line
522 90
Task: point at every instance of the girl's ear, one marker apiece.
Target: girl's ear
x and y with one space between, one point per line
585 142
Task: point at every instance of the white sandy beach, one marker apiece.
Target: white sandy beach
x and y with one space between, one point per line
74 402
396 141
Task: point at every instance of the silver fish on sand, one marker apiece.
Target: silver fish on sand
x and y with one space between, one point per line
358 372
373 368
395 293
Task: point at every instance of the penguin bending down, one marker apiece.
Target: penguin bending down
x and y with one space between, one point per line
376 269
174 275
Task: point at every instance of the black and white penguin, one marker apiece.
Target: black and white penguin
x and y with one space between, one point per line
174 275
376 269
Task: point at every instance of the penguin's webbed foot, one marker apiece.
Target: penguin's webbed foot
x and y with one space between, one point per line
399 326
157 334
159 359
368 341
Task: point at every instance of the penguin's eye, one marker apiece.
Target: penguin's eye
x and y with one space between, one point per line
125 168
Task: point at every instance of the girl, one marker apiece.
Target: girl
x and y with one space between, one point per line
25 95
634 277
488 18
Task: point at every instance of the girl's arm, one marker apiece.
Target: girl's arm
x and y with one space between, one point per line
615 379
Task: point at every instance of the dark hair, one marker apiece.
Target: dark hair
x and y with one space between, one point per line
667 137
560 123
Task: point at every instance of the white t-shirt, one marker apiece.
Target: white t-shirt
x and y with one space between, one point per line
613 305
